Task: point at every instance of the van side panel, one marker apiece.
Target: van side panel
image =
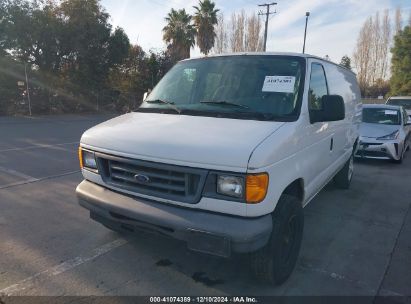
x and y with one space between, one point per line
302 150
344 83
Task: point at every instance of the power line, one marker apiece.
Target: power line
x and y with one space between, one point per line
266 14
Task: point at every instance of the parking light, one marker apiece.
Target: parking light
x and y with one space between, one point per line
256 187
80 157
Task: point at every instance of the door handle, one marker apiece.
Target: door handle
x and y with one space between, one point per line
332 144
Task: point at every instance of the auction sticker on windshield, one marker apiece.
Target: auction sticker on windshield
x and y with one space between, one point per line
279 84
391 112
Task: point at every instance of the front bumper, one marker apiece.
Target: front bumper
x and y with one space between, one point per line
379 149
207 232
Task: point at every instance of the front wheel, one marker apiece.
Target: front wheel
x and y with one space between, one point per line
275 262
344 176
399 161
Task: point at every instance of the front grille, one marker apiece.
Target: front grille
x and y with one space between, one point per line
171 182
373 154
370 144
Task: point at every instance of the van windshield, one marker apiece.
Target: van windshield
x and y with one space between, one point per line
242 87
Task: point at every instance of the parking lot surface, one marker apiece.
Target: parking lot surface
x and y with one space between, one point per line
356 242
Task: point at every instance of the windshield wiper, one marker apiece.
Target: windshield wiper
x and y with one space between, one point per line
223 102
169 103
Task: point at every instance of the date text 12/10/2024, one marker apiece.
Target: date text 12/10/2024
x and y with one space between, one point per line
203 300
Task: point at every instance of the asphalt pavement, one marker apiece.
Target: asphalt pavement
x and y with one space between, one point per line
356 242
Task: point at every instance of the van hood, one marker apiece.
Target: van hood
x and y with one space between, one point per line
195 141
375 130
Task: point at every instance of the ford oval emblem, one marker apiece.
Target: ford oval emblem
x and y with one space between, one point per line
141 178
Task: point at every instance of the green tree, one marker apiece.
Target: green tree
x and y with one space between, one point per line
205 19
91 49
179 34
3 21
11 95
130 79
32 36
85 42
400 82
32 33
69 46
346 62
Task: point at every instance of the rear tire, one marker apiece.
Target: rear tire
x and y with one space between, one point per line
344 176
275 262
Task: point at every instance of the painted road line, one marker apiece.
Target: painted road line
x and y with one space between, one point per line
61 268
37 179
41 146
16 173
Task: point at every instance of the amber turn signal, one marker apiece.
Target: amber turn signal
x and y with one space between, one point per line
256 187
80 157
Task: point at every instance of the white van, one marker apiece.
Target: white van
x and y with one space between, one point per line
224 153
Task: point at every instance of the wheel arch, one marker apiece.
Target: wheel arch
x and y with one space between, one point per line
296 189
355 146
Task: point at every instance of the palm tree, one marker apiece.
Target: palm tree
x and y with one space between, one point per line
179 34
205 19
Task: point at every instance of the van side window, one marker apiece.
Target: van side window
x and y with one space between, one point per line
318 87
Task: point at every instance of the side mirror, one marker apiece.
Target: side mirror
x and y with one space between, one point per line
146 94
333 109
408 122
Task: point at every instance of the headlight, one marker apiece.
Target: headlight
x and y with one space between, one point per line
251 187
87 159
230 185
393 135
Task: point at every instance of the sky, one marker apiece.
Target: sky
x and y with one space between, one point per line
333 25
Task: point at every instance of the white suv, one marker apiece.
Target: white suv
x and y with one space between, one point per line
224 154
404 101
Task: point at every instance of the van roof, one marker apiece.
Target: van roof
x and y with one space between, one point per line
269 54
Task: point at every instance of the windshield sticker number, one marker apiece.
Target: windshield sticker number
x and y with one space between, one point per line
390 112
279 84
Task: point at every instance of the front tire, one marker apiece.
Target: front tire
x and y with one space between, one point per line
275 262
344 176
399 161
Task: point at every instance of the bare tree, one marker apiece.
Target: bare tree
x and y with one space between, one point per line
375 45
371 52
398 20
362 52
237 32
221 43
385 44
245 33
253 38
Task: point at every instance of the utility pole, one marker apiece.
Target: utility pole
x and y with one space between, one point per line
267 14
305 31
28 91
